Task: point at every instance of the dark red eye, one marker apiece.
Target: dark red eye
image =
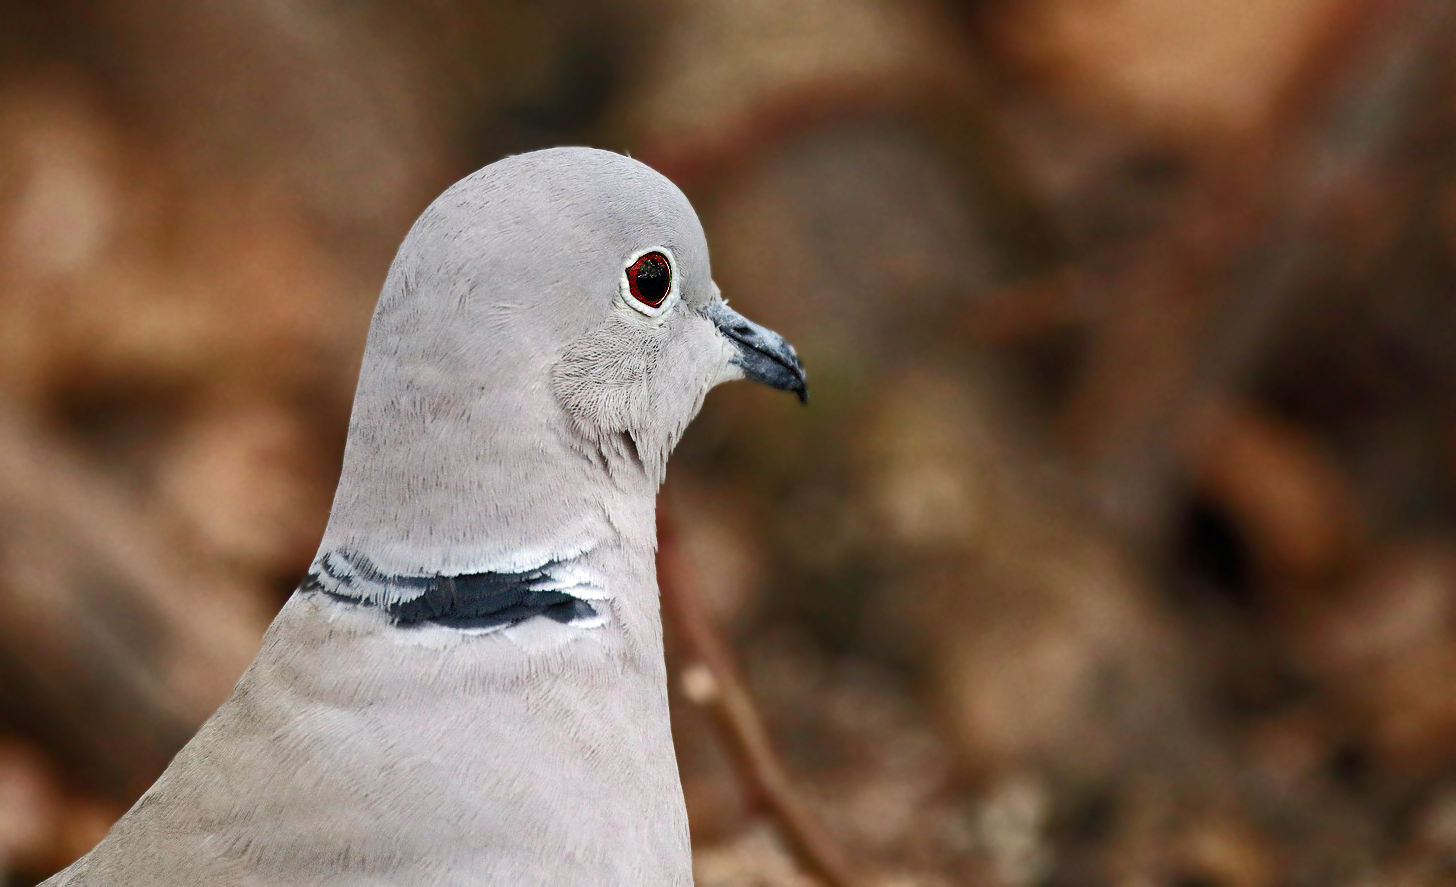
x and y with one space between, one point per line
650 278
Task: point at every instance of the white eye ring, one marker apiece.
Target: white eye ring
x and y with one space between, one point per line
633 298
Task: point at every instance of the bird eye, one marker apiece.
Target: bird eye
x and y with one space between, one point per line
650 279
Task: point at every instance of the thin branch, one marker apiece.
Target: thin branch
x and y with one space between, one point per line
712 680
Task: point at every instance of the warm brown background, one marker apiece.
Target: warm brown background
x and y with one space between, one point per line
1116 546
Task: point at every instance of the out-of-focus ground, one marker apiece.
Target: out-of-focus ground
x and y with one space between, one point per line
1116 547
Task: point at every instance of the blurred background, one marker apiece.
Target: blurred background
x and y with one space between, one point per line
1116 547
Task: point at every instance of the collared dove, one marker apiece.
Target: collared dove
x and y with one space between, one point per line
469 686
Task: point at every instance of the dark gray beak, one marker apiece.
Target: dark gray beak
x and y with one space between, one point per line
762 354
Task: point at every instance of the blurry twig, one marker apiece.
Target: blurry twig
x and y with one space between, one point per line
114 668
713 682
1199 313
1029 308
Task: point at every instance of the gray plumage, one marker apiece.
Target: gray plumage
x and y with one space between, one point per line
470 686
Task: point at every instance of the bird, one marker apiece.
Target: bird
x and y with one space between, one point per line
469 686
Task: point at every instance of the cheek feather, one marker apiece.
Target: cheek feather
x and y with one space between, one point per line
638 381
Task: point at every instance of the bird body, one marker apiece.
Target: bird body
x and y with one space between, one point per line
351 755
470 688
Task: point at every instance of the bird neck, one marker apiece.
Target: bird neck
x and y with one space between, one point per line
502 492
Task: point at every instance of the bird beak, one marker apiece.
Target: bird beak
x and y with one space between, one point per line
762 354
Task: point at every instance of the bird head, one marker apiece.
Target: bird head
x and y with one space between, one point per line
546 332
